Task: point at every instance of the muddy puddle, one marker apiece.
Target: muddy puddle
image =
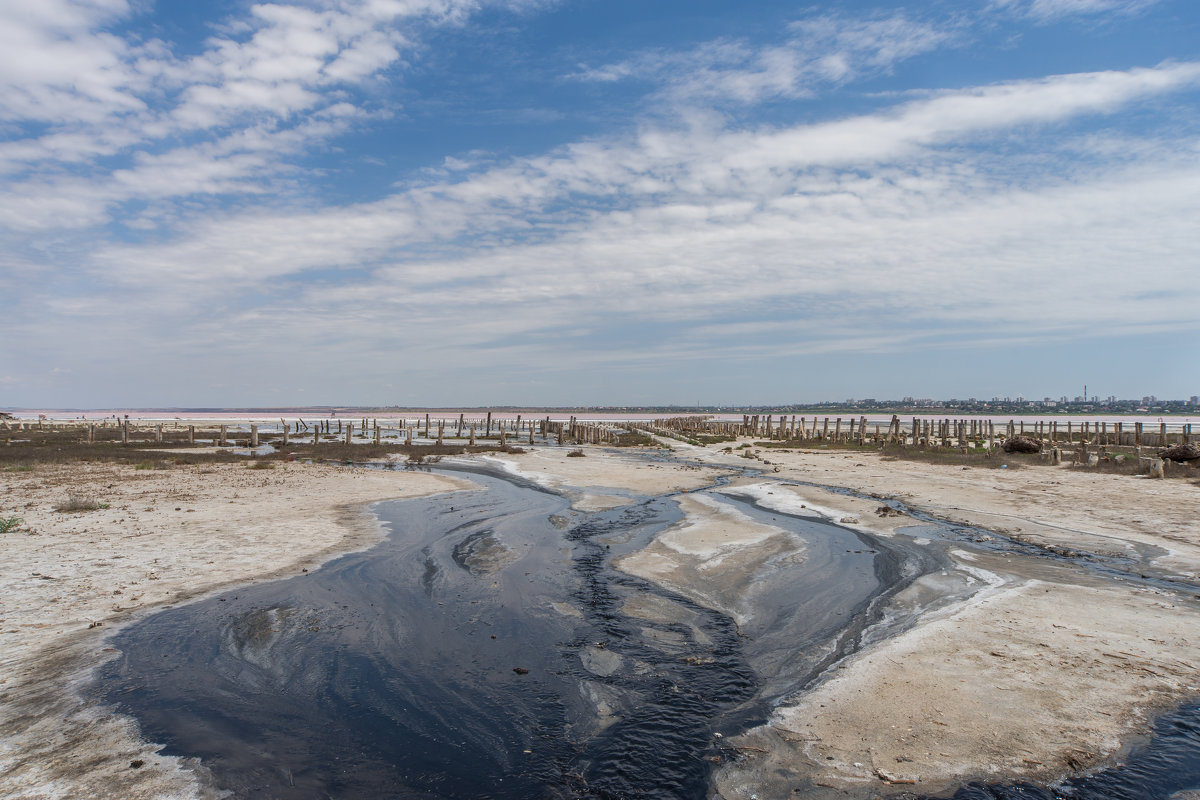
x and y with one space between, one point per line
489 648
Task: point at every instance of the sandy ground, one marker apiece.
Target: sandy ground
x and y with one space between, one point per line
590 481
160 537
1044 670
714 540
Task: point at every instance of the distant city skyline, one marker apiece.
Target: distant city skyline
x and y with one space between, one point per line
582 202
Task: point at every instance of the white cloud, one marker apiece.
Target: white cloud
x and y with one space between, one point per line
263 90
1048 10
819 50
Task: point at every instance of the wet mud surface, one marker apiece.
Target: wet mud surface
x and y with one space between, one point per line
489 649
1165 768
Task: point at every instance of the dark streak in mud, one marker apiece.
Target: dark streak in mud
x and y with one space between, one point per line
489 649
443 663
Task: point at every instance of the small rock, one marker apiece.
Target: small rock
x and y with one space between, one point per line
520 670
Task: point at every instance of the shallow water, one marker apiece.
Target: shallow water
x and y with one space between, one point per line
392 673
489 649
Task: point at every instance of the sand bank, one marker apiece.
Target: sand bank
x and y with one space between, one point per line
1045 671
589 481
158 537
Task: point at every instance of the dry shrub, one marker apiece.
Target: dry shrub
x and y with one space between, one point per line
78 501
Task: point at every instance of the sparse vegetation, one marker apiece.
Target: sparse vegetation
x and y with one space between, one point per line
12 523
78 501
575 454
261 465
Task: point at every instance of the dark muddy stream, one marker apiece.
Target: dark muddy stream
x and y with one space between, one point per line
489 649
486 649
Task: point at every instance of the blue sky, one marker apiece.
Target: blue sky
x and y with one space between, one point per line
463 202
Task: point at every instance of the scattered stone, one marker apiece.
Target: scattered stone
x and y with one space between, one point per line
520 670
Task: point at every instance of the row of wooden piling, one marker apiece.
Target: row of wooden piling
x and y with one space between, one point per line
945 432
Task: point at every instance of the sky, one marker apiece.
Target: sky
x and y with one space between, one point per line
596 202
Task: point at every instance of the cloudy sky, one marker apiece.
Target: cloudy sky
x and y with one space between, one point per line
546 202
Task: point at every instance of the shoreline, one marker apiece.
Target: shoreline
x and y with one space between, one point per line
55 741
49 747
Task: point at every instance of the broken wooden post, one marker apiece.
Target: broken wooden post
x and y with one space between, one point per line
488 431
316 434
285 432
408 435
378 434
531 434
91 434
1158 468
254 436
349 430
441 424
472 434
458 433
125 433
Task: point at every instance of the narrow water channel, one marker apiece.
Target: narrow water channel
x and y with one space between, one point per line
489 649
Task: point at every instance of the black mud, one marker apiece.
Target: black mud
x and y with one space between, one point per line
486 649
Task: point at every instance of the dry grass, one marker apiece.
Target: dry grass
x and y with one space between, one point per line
78 501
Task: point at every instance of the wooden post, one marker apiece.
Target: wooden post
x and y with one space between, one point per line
408 435
825 430
349 431
91 434
285 433
837 429
377 433
1162 434
458 434
441 424
488 431
316 434
254 436
472 434
531 433
125 433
